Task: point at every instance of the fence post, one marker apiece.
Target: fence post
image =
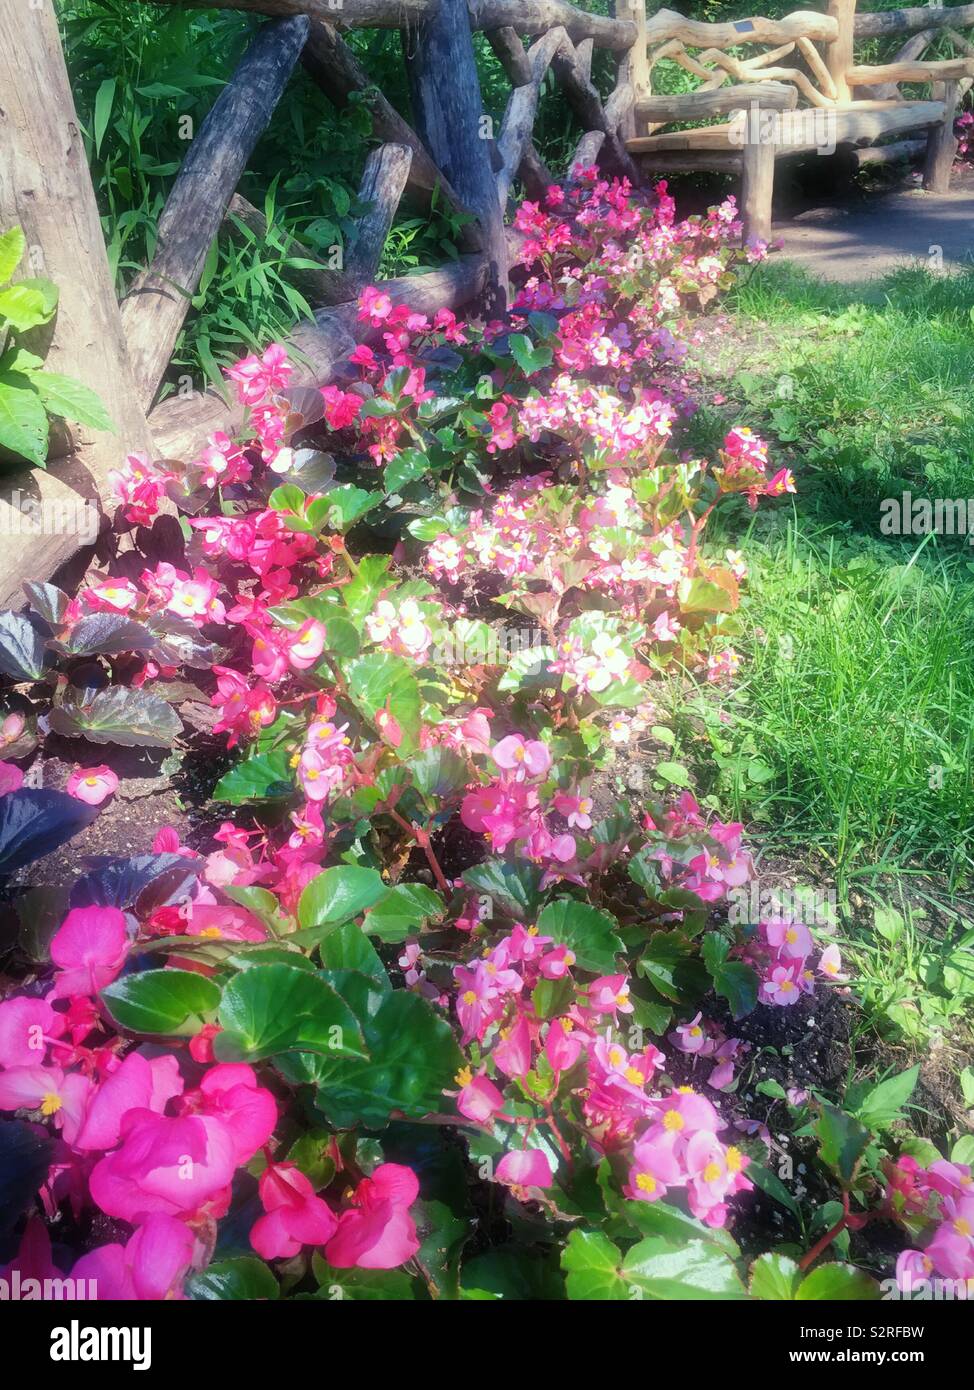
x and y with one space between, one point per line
838 54
634 63
449 113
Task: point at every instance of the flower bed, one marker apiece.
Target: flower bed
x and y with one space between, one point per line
426 1018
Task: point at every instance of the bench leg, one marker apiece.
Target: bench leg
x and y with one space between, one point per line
941 146
757 188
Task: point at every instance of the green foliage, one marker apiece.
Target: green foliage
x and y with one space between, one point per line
29 395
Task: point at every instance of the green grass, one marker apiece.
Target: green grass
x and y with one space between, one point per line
870 388
852 727
850 731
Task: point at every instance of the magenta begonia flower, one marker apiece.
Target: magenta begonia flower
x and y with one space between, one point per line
524 1168
293 1215
90 947
92 785
11 778
150 1266
377 1232
138 1084
515 755
25 1026
230 1093
173 1166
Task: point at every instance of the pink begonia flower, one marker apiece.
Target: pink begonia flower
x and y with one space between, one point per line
225 922
513 1054
610 994
524 1168
791 939
689 1037
514 754
577 810
952 1248
306 644
293 1215
150 1266
830 963
781 988
112 595
33 1257
912 1266
479 1099
138 1084
93 785
377 1232
562 1048
169 1165
25 1027
230 1092
90 947
683 1112
655 1167
11 778
721 1077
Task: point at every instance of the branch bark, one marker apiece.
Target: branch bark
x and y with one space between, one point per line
45 187
157 303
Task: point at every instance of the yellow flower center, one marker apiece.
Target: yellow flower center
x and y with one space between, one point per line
646 1182
470 997
734 1160
712 1172
635 1076
50 1103
464 1076
673 1120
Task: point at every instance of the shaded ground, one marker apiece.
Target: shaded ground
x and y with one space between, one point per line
855 242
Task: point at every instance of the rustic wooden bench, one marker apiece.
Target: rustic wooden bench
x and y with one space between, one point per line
789 98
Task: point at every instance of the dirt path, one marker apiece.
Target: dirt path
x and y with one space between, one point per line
861 243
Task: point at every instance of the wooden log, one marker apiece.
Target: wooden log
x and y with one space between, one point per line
157 302
668 24
586 153
941 71
873 25
522 108
817 67
913 48
45 188
757 190
677 162
386 172
838 55
535 175
182 425
694 106
621 101
537 16
351 14
764 72
586 103
445 92
942 145
333 67
513 57
583 52
900 150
